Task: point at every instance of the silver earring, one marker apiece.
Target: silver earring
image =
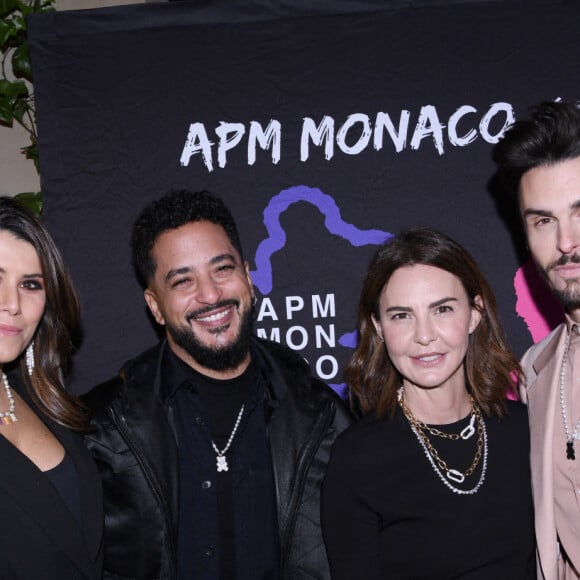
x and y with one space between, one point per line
254 300
30 358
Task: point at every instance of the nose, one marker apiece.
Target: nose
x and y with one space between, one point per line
208 291
424 331
568 236
9 300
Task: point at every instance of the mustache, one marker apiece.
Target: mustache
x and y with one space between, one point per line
563 260
201 311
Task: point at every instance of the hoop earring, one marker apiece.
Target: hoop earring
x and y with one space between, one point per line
30 358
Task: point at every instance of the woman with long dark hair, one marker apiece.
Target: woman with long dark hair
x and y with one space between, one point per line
434 482
50 496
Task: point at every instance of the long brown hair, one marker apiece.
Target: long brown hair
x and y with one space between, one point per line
53 339
491 368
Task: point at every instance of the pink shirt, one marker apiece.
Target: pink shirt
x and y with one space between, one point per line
566 471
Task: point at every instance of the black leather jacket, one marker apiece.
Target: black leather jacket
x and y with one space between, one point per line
135 449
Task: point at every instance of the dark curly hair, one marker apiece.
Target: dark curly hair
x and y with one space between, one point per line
491 368
550 135
170 212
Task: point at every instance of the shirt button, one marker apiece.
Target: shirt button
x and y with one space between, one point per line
199 421
210 551
205 484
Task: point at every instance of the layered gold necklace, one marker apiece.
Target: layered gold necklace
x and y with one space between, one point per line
448 474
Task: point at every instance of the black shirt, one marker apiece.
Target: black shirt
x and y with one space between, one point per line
387 514
65 479
223 516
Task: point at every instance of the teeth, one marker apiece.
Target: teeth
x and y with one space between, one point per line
214 317
429 358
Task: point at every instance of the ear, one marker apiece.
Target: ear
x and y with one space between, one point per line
249 279
377 326
476 314
151 300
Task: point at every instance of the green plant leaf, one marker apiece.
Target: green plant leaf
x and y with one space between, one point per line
30 151
6 116
13 101
32 200
16 102
13 90
7 31
8 6
19 110
19 23
21 66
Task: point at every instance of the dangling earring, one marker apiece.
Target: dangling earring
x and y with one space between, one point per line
30 358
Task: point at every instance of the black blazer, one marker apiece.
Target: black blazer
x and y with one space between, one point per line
40 539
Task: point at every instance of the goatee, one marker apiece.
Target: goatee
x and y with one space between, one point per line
216 358
570 295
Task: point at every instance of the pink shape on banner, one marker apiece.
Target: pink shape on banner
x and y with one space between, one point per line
535 303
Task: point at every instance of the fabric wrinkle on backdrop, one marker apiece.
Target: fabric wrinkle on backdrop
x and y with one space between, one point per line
326 131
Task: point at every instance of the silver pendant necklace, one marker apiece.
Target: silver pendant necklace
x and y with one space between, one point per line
221 461
570 437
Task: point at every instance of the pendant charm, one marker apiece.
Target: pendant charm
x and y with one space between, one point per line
455 475
570 453
222 464
468 431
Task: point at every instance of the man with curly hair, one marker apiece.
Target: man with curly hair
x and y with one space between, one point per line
212 446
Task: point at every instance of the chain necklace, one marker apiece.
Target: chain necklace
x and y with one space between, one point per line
8 417
570 437
222 464
440 467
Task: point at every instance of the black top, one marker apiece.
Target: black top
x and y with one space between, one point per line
65 479
223 400
222 515
387 514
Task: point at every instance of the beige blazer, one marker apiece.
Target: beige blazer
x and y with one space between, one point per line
541 364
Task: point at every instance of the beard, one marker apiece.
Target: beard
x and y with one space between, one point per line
570 295
216 358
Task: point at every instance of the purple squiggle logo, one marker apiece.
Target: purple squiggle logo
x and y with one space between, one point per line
333 221
334 224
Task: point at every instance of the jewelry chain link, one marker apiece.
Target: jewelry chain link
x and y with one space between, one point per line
421 427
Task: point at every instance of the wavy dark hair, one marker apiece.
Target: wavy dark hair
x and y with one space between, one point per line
549 136
170 212
53 339
491 368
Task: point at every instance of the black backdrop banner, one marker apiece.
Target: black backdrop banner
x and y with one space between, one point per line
326 133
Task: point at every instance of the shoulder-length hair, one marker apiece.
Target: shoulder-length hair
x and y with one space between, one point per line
491 368
53 339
